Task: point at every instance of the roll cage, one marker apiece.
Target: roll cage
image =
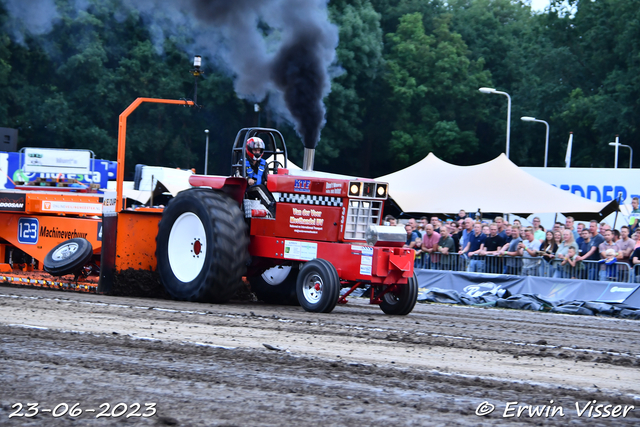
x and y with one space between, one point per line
274 147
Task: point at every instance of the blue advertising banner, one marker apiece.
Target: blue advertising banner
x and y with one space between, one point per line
12 170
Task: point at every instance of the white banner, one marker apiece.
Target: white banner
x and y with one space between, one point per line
47 160
91 208
598 184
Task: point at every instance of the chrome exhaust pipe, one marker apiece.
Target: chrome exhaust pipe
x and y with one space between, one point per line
307 161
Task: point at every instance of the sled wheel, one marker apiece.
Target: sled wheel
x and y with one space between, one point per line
201 246
318 286
276 285
68 257
401 302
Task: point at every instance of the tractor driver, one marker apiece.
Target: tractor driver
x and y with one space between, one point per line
256 167
257 171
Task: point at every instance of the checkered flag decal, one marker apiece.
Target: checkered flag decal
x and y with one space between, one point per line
305 199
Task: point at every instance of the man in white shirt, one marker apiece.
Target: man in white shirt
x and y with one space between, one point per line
530 247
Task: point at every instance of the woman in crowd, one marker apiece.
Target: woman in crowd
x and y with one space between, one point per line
553 265
557 237
548 251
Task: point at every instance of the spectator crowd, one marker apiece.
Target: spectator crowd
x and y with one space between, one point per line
579 250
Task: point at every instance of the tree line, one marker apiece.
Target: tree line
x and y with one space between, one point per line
405 84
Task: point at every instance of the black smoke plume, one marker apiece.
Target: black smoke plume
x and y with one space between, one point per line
280 49
299 68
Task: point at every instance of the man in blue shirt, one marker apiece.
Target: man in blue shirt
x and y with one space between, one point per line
474 246
412 237
467 230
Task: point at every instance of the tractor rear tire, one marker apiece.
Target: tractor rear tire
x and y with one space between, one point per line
402 302
272 288
318 286
201 246
68 257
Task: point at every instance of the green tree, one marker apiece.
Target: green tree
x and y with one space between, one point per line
359 57
433 102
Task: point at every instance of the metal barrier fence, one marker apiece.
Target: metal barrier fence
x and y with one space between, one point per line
636 273
531 266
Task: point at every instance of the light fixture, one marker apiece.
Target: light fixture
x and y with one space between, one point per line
354 189
546 143
491 90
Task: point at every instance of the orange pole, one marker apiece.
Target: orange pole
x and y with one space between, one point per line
122 137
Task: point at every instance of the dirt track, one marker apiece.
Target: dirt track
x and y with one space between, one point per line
208 364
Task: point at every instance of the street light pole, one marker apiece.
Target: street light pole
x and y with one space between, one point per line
491 90
206 151
617 144
196 72
546 144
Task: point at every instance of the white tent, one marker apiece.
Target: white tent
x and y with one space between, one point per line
498 186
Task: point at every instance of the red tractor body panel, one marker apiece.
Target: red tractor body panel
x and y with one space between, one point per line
315 218
355 262
296 221
233 186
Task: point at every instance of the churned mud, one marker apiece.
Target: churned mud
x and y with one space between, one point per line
138 283
248 363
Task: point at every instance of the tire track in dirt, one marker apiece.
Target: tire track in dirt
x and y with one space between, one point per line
438 353
199 384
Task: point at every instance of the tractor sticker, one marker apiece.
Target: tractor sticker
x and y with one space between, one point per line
306 221
366 258
28 231
12 202
300 250
365 250
109 203
333 188
57 233
365 264
302 186
75 207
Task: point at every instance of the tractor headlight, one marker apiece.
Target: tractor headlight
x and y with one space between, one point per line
354 188
381 191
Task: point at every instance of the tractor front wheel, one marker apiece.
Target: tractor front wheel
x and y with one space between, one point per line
402 301
318 286
201 246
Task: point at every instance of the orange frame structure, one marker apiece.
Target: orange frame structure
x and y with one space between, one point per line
130 235
122 137
56 216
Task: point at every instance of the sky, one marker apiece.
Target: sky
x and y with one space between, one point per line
539 5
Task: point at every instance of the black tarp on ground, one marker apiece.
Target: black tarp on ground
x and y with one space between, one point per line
550 289
531 293
530 302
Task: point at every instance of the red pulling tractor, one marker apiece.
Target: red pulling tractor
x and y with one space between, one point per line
301 237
